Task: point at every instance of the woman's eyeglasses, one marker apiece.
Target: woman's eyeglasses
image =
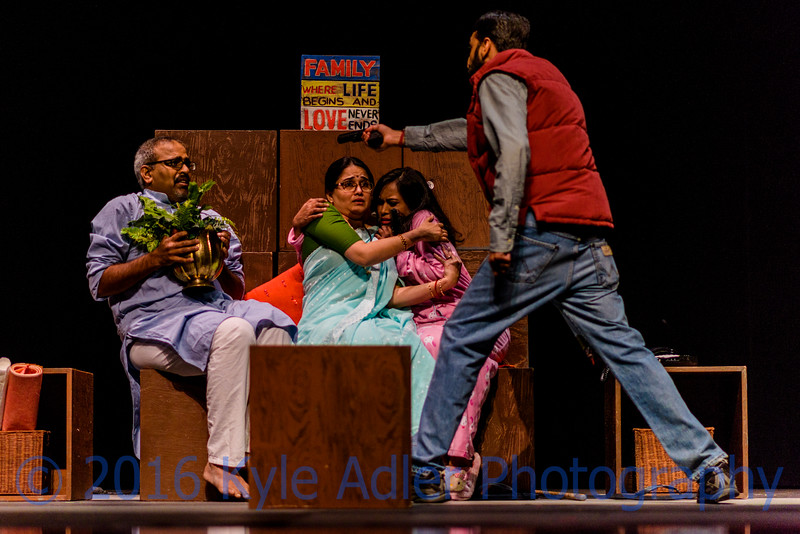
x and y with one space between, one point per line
350 185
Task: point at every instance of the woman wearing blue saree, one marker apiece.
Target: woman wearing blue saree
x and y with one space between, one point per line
352 296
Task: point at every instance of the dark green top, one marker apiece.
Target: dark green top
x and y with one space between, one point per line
331 231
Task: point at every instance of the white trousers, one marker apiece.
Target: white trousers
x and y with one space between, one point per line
227 382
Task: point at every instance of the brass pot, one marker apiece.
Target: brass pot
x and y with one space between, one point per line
208 262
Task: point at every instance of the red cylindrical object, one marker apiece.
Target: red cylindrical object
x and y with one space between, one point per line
22 396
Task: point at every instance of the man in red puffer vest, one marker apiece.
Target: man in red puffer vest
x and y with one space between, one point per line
562 184
526 138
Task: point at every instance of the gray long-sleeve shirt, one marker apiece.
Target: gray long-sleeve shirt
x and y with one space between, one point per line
503 103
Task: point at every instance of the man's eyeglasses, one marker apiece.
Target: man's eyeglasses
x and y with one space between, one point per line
350 185
176 163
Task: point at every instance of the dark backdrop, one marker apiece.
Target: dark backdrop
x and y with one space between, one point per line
691 108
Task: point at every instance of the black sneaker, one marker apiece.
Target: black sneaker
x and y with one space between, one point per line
715 484
428 484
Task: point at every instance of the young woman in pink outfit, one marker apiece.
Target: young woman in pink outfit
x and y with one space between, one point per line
403 199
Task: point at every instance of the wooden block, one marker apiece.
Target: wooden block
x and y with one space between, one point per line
518 349
305 156
336 420
505 434
472 258
244 165
286 260
257 268
174 437
457 190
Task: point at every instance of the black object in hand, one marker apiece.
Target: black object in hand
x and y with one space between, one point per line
375 138
395 223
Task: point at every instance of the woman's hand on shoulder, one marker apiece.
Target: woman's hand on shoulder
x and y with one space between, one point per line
384 231
312 209
430 230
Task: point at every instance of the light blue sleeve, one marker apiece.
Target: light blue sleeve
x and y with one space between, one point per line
107 246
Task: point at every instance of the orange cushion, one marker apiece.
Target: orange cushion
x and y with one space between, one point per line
285 292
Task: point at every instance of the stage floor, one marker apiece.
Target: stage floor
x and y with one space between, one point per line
780 513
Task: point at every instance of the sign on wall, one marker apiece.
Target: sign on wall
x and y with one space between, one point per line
339 92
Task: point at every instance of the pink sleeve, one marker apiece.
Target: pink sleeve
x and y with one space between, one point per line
297 242
418 264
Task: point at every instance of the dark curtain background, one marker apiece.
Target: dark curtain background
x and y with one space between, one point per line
691 107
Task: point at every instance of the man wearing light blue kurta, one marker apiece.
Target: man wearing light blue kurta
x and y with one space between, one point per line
163 328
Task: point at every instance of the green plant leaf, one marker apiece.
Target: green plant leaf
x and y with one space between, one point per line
157 223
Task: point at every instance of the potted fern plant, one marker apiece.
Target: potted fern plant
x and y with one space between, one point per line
157 223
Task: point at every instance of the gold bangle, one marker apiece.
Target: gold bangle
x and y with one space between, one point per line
403 241
431 290
436 287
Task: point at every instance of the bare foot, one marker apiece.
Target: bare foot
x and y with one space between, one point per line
217 476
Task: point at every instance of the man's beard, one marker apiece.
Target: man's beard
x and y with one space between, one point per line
475 63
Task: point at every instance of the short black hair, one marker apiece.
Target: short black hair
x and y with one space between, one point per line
337 167
505 29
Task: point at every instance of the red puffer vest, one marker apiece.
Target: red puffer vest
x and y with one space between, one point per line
562 184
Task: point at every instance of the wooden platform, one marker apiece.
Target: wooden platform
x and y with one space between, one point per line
777 513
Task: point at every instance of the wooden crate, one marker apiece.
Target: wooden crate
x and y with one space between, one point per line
331 425
727 414
66 411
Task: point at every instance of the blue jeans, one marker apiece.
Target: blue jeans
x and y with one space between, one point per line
579 276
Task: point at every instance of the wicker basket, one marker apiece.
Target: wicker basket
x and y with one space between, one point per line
21 459
652 459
